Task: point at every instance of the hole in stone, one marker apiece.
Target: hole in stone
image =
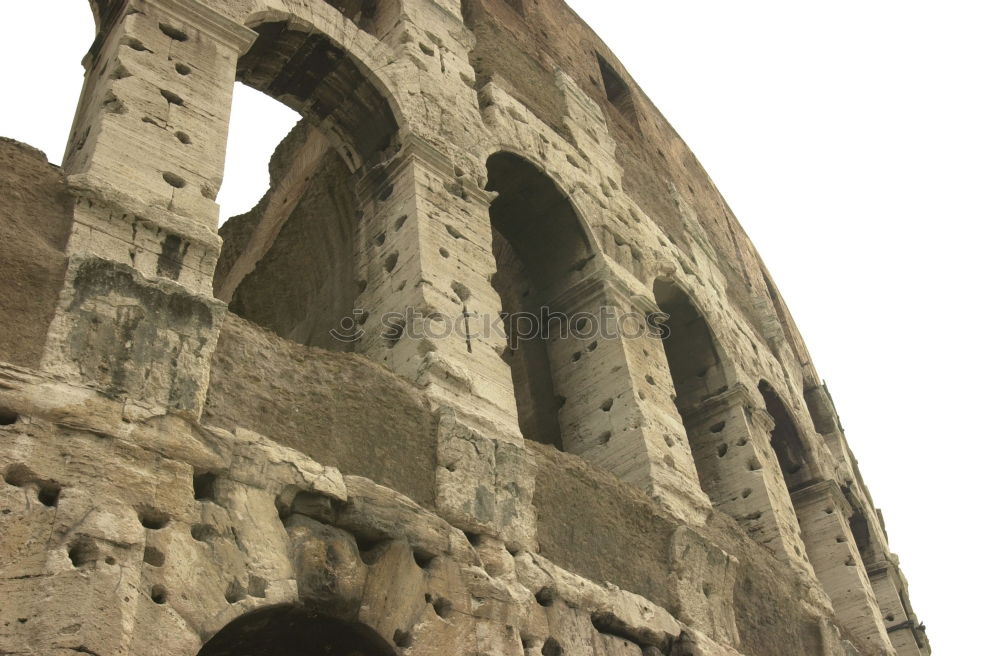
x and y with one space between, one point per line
649 379
606 406
422 558
380 238
153 556
362 285
158 594
173 32
136 44
890 618
83 551
473 538
841 539
172 98
152 518
746 492
386 193
850 562
723 450
234 592
828 511
545 597
7 417
604 437
18 475
454 232
717 428
174 180
753 464
112 104
402 638
182 69
592 347
203 532
370 548
204 486
400 221
443 608
577 356
461 291
444 253
257 587
560 402
110 560
741 442
183 138
48 493
390 262
394 331
552 648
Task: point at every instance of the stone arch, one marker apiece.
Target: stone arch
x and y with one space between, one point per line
294 629
303 66
541 248
787 442
376 17
700 374
291 264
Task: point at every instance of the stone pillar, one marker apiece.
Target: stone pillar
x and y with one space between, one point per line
145 160
905 632
731 444
823 515
428 311
610 370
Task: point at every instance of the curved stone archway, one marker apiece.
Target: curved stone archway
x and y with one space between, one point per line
290 629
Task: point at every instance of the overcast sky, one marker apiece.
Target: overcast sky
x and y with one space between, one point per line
858 144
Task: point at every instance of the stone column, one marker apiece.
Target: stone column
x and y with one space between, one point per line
905 632
428 311
823 515
738 469
145 161
610 369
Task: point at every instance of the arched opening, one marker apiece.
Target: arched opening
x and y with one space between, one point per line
698 375
862 537
284 630
291 263
376 17
540 249
785 440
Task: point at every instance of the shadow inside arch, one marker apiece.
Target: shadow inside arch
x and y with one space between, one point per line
288 630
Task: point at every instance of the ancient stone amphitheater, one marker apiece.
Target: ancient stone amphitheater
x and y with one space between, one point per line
309 432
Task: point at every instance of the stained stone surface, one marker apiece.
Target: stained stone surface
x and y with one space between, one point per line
320 429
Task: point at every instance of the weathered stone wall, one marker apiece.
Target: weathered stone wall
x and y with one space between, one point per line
341 410
179 480
35 217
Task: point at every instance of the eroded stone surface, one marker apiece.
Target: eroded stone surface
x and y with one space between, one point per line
178 479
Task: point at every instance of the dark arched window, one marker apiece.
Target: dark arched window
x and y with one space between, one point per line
293 630
698 375
540 249
291 263
786 441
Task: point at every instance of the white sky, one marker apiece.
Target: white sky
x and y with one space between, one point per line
858 144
